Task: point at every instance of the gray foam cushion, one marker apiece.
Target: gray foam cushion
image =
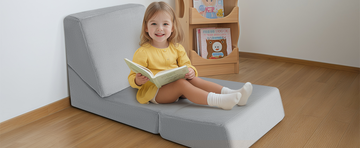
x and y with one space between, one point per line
203 126
97 41
184 122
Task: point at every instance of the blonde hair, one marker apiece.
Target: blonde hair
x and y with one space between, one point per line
177 36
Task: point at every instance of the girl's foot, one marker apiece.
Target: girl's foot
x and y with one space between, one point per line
245 91
224 101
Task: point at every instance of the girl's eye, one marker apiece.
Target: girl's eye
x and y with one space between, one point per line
166 24
153 23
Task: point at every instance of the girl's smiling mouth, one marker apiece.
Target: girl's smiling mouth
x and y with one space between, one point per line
159 35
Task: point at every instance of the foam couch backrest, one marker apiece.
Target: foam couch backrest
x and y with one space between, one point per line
97 42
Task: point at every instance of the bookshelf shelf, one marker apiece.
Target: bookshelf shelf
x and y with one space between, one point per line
196 18
190 19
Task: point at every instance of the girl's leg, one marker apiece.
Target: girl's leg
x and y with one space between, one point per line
245 91
206 85
171 92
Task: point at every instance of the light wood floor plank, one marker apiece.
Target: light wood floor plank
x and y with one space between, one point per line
292 107
132 138
327 135
334 125
293 83
336 117
297 133
258 72
352 135
285 76
350 102
325 99
272 74
63 129
34 115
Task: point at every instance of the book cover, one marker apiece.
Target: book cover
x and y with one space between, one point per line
215 43
198 39
211 9
162 77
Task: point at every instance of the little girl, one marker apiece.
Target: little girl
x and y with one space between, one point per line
160 50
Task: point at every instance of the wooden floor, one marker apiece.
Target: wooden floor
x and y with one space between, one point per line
321 110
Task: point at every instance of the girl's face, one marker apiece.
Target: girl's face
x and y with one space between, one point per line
159 28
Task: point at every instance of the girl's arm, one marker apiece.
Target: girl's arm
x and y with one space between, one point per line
131 79
136 80
183 59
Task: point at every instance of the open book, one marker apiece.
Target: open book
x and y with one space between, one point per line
162 77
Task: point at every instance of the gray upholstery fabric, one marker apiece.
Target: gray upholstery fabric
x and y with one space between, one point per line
242 126
96 43
121 106
184 122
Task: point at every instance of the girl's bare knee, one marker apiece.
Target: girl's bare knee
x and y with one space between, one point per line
181 82
195 80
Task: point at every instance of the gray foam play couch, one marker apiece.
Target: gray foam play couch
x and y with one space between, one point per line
97 41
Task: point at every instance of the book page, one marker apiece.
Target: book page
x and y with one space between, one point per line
139 69
162 77
168 76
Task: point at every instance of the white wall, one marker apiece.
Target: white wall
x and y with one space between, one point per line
317 30
32 52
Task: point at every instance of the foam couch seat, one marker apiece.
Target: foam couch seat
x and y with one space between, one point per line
97 41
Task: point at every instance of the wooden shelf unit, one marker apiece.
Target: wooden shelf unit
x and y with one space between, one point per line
191 19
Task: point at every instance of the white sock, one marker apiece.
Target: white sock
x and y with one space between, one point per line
245 91
224 101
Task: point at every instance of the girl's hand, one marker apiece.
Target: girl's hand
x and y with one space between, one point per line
140 79
191 74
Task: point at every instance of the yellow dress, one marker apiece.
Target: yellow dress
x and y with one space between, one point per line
156 60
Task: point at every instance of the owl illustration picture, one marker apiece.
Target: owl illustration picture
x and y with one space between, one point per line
216 48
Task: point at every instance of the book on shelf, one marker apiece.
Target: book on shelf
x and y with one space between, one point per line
213 43
211 9
197 39
162 77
